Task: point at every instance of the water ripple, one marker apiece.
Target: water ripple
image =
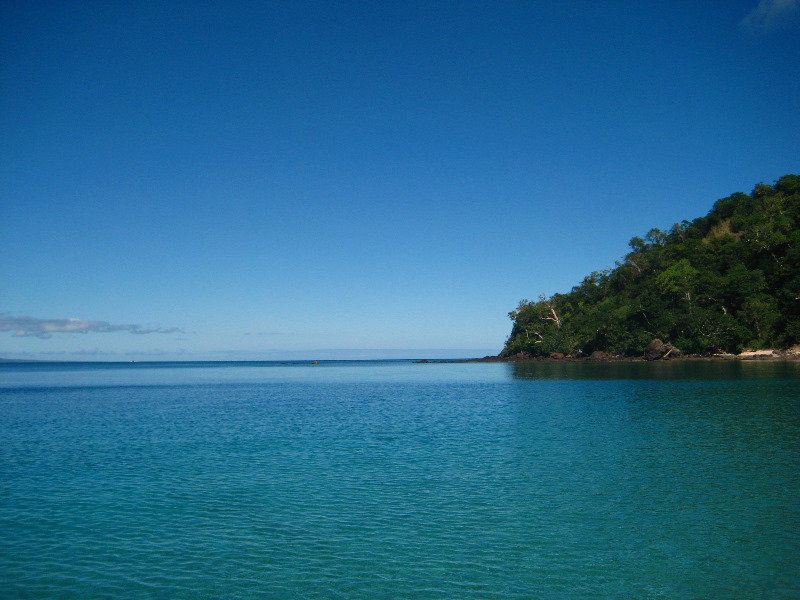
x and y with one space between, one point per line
427 490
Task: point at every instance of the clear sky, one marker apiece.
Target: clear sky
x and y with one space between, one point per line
270 180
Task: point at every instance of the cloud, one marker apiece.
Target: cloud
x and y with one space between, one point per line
262 333
770 15
45 328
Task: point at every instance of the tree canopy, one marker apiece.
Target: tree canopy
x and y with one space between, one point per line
723 282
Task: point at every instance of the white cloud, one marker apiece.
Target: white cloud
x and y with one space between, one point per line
770 15
45 328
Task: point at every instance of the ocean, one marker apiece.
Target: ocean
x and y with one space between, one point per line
398 480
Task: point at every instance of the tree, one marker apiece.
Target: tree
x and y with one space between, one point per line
680 278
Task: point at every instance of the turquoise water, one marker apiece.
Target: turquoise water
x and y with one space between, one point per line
400 480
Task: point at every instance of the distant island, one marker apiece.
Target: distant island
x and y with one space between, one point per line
723 283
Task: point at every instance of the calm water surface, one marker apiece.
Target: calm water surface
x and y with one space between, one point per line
400 480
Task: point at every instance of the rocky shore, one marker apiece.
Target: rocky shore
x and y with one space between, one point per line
653 352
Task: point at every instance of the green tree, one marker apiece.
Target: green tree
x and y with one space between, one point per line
681 279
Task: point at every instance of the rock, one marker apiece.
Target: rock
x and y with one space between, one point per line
658 350
756 353
655 350
499 358
556 355
599 355
672 352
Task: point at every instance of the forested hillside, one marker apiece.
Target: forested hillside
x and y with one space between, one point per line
723 282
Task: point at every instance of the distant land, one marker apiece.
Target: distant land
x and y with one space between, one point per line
723 283
23 360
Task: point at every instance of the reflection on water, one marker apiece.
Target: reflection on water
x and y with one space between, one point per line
677 369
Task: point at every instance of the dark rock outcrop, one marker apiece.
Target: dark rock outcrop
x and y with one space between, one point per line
658 350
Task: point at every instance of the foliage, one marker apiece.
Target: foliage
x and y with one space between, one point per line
722 282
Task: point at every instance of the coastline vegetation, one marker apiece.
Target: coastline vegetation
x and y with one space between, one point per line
720 283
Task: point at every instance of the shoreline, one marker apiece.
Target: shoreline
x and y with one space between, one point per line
760 355
793 354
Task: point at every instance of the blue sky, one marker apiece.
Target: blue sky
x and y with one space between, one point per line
269 180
